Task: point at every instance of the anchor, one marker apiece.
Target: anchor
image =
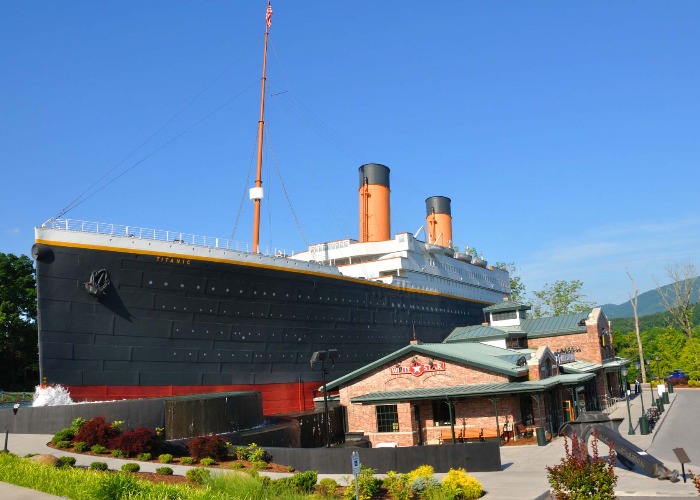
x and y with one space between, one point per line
628 453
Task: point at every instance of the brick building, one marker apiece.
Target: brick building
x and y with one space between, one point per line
510 376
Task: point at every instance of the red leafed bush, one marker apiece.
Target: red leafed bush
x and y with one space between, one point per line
96 431
208 446
135 441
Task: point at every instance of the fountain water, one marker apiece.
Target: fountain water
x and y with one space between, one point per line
51 395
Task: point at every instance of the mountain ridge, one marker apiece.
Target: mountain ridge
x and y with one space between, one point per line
650 302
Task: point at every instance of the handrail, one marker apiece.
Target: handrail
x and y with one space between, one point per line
123 231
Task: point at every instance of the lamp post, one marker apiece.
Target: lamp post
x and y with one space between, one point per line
651 387
629 412
643 420
322 356
7 430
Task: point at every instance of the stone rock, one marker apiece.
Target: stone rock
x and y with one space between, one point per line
49 460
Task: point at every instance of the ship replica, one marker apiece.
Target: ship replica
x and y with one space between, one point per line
127 312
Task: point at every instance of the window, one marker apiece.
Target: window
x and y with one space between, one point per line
498 316
387 418
441 413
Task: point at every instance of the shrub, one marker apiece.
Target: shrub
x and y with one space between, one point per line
236 465
424 484
187 460
241 453
207 446
66 434
458 484
255 453
63 444
98 466
398 485
290 468
76 424
368 485
96 431
425 471
259 464
164 471
206 461
165 458
695 479
99 449
580 475
144 457
327 486
131 467
113 486
118 454
80 446
133 442
66 461
198 475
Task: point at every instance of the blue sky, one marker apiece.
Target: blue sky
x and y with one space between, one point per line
565 133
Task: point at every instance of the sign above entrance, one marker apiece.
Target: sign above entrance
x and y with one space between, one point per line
417 369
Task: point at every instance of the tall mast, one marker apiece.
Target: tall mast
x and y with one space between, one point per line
256 193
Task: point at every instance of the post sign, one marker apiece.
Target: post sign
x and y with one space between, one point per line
355 463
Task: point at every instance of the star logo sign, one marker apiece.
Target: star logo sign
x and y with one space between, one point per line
417 369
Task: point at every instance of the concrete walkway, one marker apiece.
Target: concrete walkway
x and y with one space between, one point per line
523 476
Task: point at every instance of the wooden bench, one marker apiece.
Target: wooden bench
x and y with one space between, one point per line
461 435
490 433
524 431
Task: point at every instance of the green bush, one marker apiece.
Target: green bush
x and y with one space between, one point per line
458 484
259 464
63 444
116 486
368 485
327 486
76 424
579 475
66 434
118 454
425 471
131 467
198 475
241 453
207 461
164 471
398 485
165 458
66 461
80 446
255 453
99 449
424 484
236 465
98 466
187 460
144 457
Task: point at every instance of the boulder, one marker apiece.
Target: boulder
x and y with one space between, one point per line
45 460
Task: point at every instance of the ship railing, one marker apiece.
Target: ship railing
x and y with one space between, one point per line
175 237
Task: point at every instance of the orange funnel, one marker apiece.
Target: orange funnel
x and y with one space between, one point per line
374 203
438 221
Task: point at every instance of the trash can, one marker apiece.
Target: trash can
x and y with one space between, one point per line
644 425
670 387
541 437
664 396
660 404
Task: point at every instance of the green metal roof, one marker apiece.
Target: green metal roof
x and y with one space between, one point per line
487 357
473 390
616 364
479 333
507 305
580 367
557 325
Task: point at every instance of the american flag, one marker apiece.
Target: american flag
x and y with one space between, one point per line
268 16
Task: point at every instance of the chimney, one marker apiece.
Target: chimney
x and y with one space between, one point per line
374 203
438 221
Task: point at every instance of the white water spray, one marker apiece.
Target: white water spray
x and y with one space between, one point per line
51 395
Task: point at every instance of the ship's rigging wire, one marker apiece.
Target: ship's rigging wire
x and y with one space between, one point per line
245 188
284 188
84 196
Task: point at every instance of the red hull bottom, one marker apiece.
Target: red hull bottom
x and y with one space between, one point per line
277 398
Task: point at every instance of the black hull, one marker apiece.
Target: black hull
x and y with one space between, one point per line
173 321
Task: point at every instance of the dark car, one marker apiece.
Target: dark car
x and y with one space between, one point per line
677 377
